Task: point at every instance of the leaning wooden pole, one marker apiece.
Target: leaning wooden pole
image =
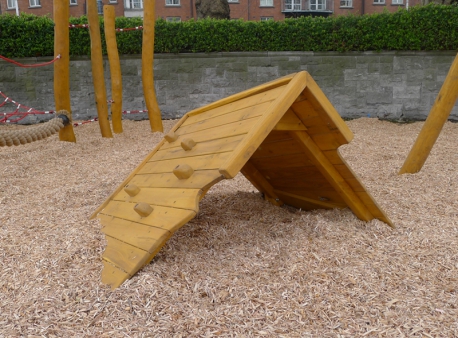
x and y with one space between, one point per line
98 77
437 117
62 66
115 67
154 113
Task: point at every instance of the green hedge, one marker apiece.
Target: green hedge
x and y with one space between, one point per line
432 27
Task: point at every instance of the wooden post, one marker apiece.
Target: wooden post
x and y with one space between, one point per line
115 68
97 69
437 117
62 66
154 113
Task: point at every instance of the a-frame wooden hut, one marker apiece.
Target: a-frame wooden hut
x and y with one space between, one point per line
283 136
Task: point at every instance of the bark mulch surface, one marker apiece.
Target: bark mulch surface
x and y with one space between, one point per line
242 267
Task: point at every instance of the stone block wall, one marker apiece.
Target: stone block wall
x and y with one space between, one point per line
388 85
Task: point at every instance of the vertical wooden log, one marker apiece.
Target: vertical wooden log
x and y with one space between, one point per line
154 113
62 66
115 68
437 117
97 69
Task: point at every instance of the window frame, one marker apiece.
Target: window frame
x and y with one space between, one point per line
295 5
379 2
14 4
169 19
127 4
349 4
172 4
266 5
320 5
36 3
73 2
397 2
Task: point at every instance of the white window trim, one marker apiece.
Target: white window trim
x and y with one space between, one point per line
13 3
172 4
73 2
397 2
173 19
271 3
34 3
379 2
348 4
232 0
295 5
127 5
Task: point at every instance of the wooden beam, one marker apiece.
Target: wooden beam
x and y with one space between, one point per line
437 117
260 182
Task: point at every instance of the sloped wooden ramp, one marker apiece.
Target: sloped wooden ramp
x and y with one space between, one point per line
283 136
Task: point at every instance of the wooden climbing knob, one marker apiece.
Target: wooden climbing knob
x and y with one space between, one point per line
131 189
183 171
188 144
171 137
143 209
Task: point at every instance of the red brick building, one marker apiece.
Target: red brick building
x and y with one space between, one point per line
45 7
182 10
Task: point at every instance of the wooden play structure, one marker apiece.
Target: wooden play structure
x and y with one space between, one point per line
437 117
283 136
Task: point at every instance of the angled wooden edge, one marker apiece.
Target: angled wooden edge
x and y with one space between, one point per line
332 116
257 134
327 169
253 91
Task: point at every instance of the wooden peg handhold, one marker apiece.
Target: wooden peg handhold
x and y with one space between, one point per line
171 137
183 171
131 190
143 209
188 144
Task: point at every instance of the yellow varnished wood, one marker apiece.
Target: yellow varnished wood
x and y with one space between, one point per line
115 67
183 171
131 189
113 276
305 202
188 144
261 183
166 218
62 66
199 180
125 256
98 76
142 236
143 209
154 112
264 126
436 119
290 121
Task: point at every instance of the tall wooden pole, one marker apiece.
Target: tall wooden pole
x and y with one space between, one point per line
62 66
437 117
154 113
98 77
115 68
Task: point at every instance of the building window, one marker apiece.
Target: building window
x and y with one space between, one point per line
133 4
113 1
346 3
34 3
292 5
173 19
172 2
266 3
73 2
266 18
232 0
317 5
379 2
11 4
398 2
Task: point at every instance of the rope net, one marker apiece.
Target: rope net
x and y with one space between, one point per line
35 65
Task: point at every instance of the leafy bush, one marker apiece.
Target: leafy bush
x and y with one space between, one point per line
432 27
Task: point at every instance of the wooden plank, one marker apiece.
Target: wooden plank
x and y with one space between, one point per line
203 162
134 172
125 256
309 173
304 109
332 175
284 162
200 179
259 181
306 203
277 135
176 198
289 121
329 195
245 104
276 149
202 148
239 96
373 206
327 111
264 126
112 275
231 117
326 141
166 218
142 236
304 183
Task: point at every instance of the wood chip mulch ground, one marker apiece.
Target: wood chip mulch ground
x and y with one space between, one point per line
242 267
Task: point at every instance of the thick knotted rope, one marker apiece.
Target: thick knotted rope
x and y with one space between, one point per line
35 133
